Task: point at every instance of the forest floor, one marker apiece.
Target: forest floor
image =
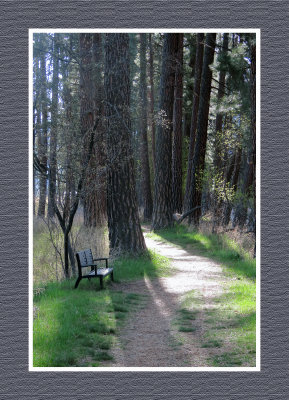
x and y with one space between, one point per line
189 302
169 331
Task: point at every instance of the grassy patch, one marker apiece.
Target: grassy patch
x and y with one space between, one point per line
77 327
217 247
227 360
185 316
187 328
150 265
211 343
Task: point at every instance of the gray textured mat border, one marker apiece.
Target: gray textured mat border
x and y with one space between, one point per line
17 18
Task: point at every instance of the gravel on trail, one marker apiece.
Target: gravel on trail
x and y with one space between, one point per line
150 338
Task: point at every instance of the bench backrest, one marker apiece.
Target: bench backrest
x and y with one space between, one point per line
84 258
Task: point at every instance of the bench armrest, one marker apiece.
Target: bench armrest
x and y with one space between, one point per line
102 259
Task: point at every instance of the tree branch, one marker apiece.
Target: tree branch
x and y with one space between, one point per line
187 214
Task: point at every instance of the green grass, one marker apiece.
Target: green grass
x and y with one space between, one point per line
227 359
184 320
212 343
231 322
78 327
150 265
216 247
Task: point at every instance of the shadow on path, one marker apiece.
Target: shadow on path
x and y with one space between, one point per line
150 339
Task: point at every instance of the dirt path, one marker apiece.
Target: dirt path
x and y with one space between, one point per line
151 339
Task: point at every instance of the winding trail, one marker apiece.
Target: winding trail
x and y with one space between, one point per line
150 338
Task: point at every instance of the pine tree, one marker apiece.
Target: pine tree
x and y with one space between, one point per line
152 98
87 121
53 130
98 162
177 168
125 234
194 117
163 207
218 161
145 169
43 136
195 187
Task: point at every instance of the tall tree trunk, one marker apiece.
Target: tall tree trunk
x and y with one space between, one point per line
253 126
152 100
42 144
163 209
68 135
145 169
100 201
125 234
194 118
53 130
195 187
219 116
190 85
218 162
177 168
249 184
86 121
34 151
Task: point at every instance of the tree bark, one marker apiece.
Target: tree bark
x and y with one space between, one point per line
145 168
42 138
249 184
53 130
198 164
152 100
125 234
68 135
253 126
34 152
219 116
86 122
218 160
99 201
194 118
177 168
163 207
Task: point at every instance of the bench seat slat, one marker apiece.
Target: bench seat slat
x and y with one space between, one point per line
100 272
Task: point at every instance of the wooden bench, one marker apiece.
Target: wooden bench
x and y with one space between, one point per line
85 259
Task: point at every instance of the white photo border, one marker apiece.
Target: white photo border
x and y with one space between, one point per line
258 206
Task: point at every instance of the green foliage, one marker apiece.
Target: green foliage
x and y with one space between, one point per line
235 108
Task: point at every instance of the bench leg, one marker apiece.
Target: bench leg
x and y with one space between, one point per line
101 282
111 276
77 282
